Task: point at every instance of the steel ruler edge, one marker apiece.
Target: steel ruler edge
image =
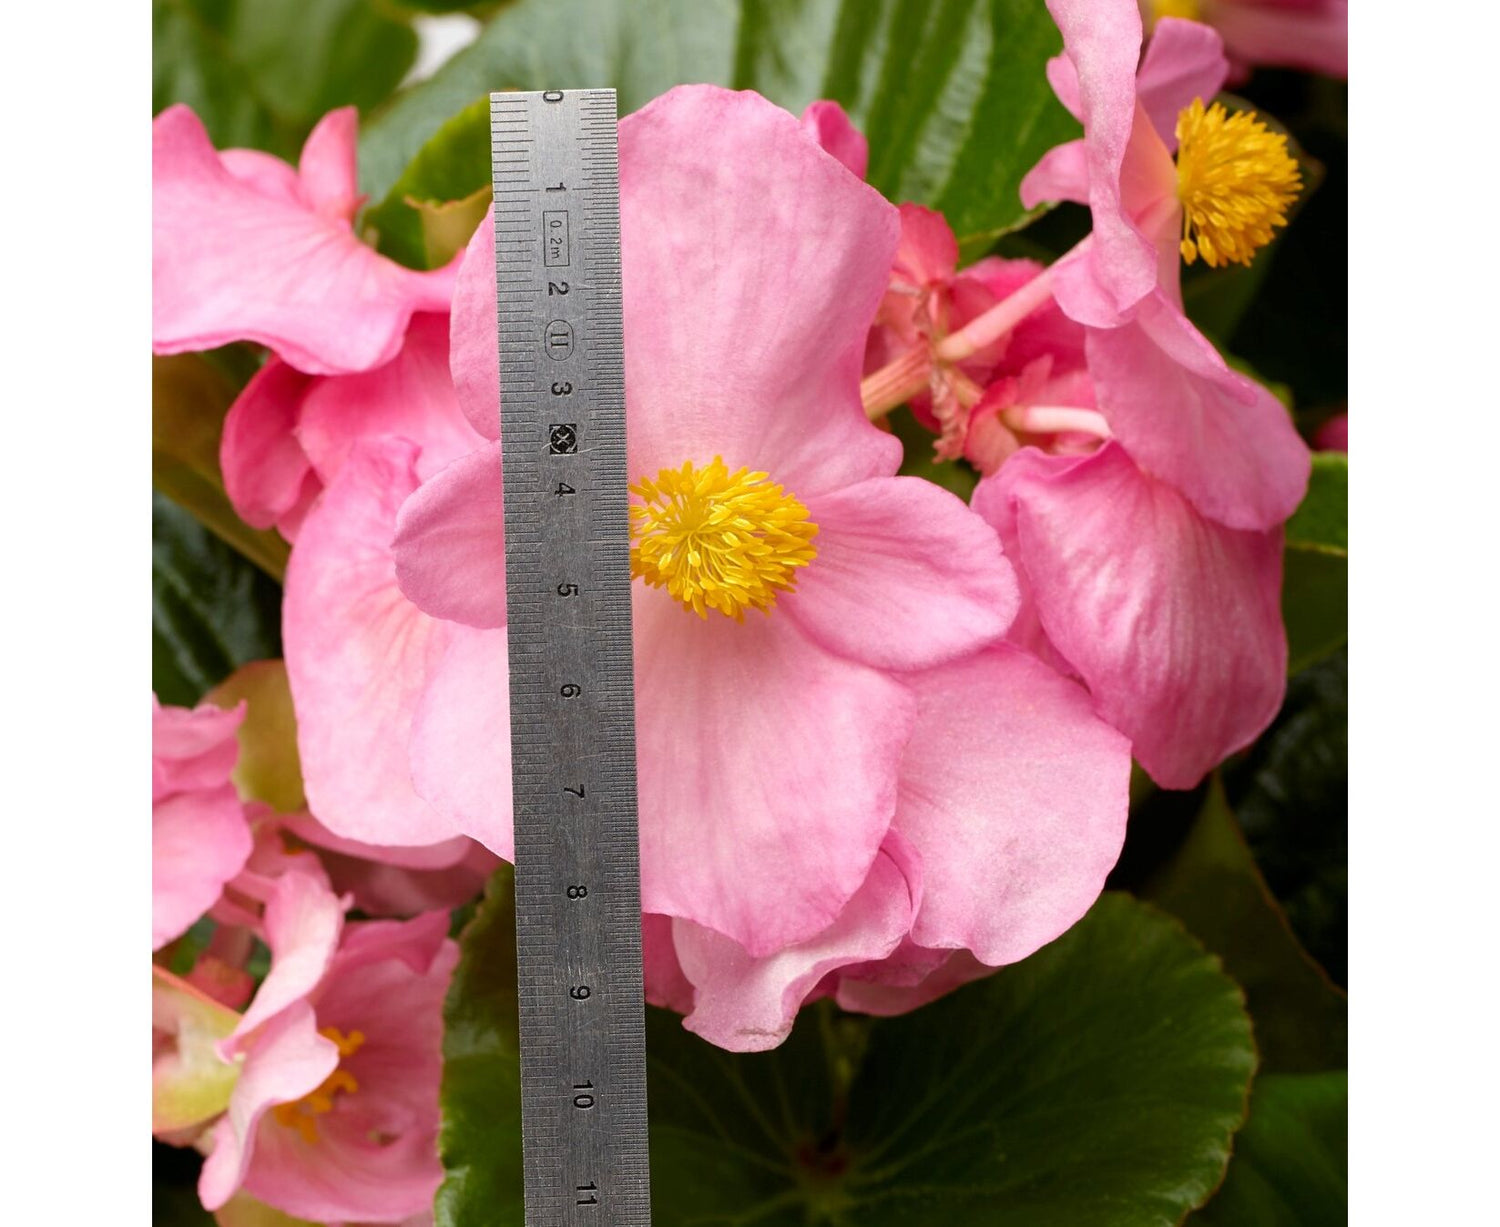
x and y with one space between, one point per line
555 163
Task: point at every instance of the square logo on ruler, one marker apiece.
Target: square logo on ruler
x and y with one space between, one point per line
562 439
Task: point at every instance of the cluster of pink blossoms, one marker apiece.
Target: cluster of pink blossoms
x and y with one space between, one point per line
900 762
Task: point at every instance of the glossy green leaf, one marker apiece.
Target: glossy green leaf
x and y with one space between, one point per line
1214 887
1097 1083
951 93
189 398
1314 604
262 72
1291 1161
211 610
481 1092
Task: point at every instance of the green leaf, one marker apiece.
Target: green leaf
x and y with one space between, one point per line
951 94
1213 886
481 1092
1096 1083
452 168
1291 1161
1321 523
189 398
1315 585
269 767
211 611
263 72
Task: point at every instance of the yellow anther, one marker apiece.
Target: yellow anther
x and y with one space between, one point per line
1189 10
718 540
1235 179
302 1114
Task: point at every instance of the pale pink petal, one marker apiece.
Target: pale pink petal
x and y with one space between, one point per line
266 173
289 1060
411 397
905 576
326 168
1184 60
767 772
1014 794
444 855
474 346
829 125
1313 35
380 889
748 1004
460 739
666 986
870 991
358 654
303 921
232 263
192 748
450 542
1103 41
1061 174
267 474
1333 435
1173 621
1184 416
1063 78
199 841
773 261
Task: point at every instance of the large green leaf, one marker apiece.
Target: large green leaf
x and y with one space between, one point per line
262 72
211 611
1097 1083
1213 886
1291 1161
951 93
481 1093
1315 587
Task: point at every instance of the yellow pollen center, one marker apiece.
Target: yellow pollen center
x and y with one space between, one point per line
1235 179
302 1115
1189 10
718 540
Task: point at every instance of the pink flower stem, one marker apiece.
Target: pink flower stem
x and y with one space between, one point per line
896 383
988 328
1055 419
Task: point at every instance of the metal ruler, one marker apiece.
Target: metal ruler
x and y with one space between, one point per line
572 700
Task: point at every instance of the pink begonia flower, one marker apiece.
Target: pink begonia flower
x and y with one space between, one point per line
244 248
1151 565
828 125
334 1114
200 837
786 726
792 754
1310 34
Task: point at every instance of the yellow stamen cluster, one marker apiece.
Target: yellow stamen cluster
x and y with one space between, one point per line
302 1115
718 540
1235 179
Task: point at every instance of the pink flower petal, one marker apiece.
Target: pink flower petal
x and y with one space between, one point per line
289 1060
1061 174
192 748
231 262
460 740
905 576
748 1004
773 263
1184 60
199 841
829 125
358 654
1173 621
666 986
870 992
474 346
1310 34
450 542
1014 794
326 168
303 920
767 772
1184 416
267 474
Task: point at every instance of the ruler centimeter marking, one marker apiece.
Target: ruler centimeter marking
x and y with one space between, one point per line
555 162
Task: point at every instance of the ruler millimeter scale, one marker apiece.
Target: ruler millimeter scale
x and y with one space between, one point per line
572 708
